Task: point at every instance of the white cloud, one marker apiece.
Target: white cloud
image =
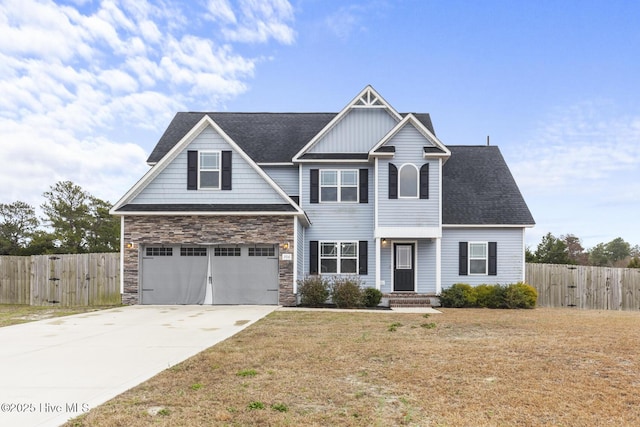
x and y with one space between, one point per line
580 149
579 172
81 81
257 21
220 10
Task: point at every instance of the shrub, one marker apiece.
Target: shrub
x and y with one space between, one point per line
313 290
372 297
490 296
458 295
347 293
520 295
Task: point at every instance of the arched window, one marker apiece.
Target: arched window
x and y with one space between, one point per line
408 181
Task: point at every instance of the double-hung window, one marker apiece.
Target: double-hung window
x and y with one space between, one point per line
478 259
339 257
209 170
339 185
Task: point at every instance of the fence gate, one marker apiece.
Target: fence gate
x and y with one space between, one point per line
54 291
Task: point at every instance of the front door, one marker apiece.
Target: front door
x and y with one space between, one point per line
403 268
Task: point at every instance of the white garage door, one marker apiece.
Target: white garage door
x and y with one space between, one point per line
224 274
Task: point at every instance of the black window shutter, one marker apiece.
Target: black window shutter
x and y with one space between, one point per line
226 170
424 181
313 257
192 170
393 181
493 258
364 185
315 186
363 257
462 258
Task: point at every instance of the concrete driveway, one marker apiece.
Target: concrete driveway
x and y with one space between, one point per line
55 369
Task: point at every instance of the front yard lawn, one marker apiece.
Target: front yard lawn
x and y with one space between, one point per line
465 367
13 314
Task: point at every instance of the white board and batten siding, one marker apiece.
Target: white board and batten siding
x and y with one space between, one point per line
409 144
510 262
357 132
340 221
170 186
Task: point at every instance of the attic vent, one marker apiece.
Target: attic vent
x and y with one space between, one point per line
369 100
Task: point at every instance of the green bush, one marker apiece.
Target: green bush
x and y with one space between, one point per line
313 290
458 295
372 297
520 295
516 295
490 296
347 293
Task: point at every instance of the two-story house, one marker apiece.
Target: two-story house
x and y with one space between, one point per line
237 207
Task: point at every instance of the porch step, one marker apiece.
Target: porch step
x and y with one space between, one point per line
408 300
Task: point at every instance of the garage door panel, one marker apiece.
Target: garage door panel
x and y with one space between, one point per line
176 279
245 279
240 275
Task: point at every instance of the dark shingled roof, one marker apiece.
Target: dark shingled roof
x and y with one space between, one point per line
478 188
265 137
184 207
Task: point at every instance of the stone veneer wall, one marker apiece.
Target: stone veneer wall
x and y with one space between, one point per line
165 230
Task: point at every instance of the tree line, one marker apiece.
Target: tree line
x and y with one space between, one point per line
568 249
74 221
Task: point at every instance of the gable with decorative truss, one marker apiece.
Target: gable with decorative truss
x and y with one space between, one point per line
357 128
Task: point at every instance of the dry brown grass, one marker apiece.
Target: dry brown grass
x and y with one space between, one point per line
14 314
475 368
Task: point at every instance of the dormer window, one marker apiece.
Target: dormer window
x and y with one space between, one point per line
408 180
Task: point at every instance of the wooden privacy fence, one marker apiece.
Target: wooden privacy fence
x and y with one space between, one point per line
598 288
61 280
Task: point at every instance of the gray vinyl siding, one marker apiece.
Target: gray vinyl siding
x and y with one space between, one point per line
285 176
357 132
339 221
409 145
425 264
510 255
170 186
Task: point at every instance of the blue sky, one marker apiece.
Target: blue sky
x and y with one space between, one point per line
87 87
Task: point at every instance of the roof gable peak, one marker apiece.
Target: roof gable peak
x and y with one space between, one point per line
367 98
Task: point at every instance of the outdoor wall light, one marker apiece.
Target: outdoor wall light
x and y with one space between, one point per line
285 245
130 245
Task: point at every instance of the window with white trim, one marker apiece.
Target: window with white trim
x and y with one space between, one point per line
339 257
339 185
478 258
209 170
408 178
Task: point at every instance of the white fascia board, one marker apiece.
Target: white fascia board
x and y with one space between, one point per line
205 213
488 225
331 161
408 232
341 114
275 164
381 155
411 119
302 216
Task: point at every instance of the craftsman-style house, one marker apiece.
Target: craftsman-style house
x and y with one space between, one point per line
237 207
